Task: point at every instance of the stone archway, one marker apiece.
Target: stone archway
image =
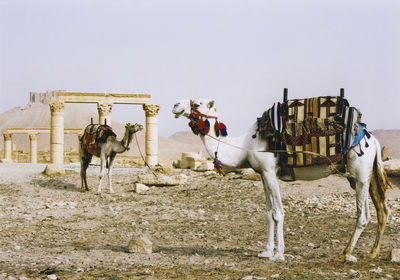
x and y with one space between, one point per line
105 102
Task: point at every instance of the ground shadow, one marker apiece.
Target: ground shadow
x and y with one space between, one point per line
55 184
170 250
202 251
395 181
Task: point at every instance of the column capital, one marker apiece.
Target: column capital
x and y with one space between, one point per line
104 108
33 136
7 136
56 106
151 110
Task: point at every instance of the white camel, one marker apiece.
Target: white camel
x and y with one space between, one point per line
107 151
365 174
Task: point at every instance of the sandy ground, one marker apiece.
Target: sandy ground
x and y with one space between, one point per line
212 227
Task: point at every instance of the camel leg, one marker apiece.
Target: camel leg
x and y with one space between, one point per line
112 157
274 216
363 217
85 159
381 213
102 171
84 166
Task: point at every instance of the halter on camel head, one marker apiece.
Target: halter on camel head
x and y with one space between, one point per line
200 124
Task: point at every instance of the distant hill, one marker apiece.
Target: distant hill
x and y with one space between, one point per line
78 116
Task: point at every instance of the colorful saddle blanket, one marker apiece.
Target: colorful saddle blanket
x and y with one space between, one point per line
312 131
95 134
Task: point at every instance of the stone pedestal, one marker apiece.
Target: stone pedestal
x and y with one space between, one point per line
33 147
57 133
104 110
151 111
7 147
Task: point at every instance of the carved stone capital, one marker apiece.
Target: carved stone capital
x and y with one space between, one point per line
32 136
56 106
151 109
7 136
104 108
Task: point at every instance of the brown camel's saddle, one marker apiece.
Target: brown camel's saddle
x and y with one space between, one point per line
310 131
93 135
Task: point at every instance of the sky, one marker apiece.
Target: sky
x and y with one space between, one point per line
240 53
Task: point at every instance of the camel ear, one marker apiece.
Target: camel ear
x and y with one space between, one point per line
210 104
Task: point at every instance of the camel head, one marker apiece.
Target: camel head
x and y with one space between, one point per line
133 128
186 107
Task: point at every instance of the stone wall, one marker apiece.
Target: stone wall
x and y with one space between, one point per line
43 98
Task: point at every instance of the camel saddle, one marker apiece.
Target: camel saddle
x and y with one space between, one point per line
310 131
93 135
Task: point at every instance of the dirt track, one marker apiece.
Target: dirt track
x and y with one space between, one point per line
210 228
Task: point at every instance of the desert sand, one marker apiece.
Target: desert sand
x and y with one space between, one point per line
211 227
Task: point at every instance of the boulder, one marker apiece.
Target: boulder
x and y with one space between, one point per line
140 243
392 167
141 188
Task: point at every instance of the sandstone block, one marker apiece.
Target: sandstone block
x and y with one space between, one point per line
205 166
162 180
54 170
140 243
392 167
395 256
385 153
141 188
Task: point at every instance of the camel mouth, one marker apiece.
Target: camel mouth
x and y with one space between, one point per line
178 113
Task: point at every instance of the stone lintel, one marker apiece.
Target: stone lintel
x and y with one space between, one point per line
113 98
42 130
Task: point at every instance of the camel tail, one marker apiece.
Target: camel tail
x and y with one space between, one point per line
380 173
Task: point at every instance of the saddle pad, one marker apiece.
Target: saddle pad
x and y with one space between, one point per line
310 130
95 134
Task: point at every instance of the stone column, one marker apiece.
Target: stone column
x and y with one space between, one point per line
57 132
7 147
151 133
104 110
33 144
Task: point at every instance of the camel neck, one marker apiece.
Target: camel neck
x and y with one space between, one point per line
231 151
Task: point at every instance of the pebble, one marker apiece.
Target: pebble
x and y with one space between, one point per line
377 270
52 277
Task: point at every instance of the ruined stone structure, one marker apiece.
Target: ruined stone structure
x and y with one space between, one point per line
104 101
32 133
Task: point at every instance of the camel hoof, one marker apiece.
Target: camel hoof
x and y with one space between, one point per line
371 255
277 257
266 254
350 258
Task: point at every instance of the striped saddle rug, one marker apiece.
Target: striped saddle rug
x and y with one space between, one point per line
93 135
311 131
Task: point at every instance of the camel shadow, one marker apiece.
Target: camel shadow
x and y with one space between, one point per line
55 184
199 250
173 250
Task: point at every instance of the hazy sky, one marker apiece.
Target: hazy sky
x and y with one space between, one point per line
239 53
